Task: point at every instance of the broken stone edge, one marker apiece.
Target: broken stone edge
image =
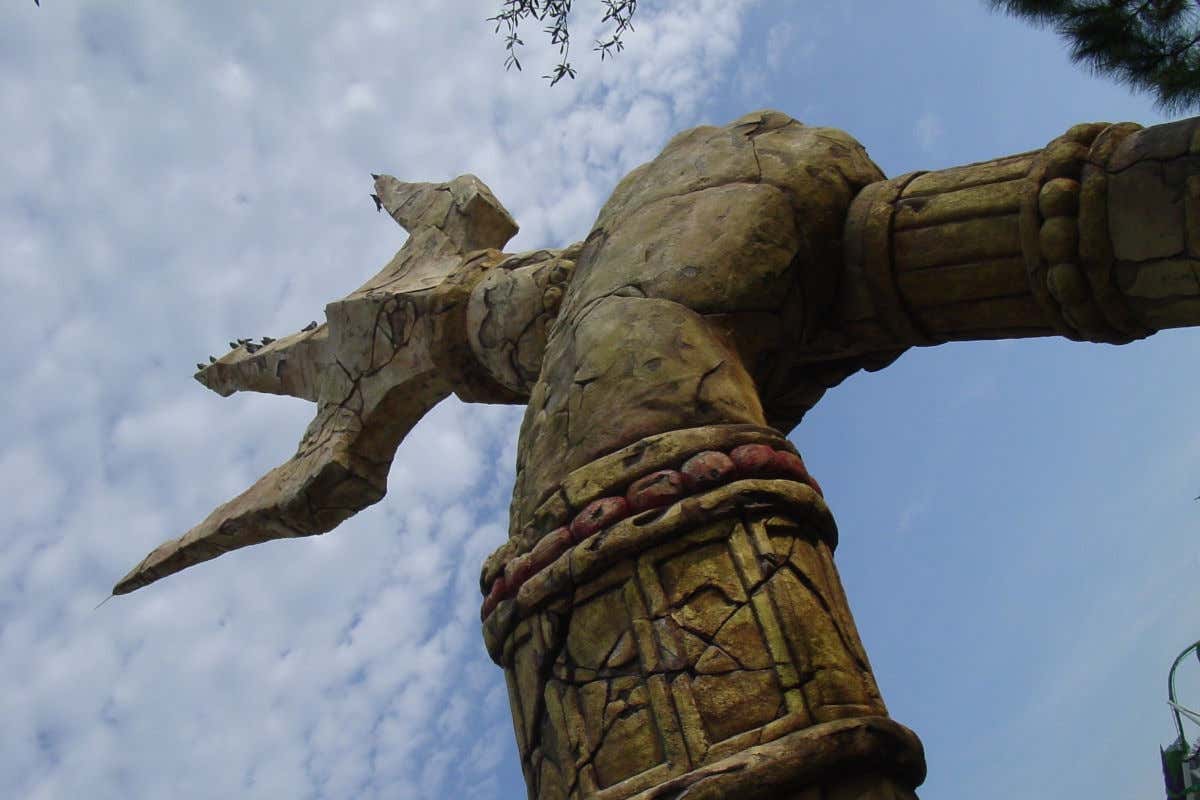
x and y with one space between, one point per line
819 755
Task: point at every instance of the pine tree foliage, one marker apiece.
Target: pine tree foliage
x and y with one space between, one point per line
513 12
1149 45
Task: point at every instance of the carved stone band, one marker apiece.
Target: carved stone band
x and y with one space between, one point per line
531 578
1065 236
689 617
747 468
611 475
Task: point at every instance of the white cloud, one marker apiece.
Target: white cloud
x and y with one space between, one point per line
915 509
232 82
27 466
178 176
780 38
148 215
928 130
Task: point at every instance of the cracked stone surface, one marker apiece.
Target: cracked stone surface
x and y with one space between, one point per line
730 636
667 610
735 278
388 353
726 221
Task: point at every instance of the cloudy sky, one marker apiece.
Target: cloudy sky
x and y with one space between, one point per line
1017 523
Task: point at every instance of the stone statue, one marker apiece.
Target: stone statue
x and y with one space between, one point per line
667 610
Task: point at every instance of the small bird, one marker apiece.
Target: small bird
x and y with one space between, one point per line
253 348
267 340
234 345
378 202
199 367
243 341
312 326
373 175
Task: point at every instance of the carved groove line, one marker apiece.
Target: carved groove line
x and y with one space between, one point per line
870 225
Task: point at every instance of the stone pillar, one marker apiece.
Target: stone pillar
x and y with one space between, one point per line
667 611
681 631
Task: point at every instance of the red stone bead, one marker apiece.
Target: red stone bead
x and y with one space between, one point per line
706 469
598 514
657 489
792 465
752 459
789 464
499 592
549 548
517 571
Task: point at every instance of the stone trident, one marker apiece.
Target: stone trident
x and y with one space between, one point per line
666 609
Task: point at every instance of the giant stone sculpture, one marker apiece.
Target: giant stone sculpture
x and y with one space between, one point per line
667 610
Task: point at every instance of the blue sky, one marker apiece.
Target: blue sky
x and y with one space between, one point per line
1017 523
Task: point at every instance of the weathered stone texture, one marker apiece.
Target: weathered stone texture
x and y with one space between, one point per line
667 608
1144 213
723 638
511 310
712 289
725 220
389 352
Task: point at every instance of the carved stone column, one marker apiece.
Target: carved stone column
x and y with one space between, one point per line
667 611
704 642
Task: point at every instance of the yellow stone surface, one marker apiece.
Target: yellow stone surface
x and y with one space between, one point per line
704 649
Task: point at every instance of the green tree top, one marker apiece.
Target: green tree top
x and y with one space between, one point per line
1146 44
513 12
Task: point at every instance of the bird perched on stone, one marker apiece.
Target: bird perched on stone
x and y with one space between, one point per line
252 347
234 345
199 366
312 326
212 359
267 340
243 341
378 202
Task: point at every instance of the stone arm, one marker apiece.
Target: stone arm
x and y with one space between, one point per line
388 353
1095 237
